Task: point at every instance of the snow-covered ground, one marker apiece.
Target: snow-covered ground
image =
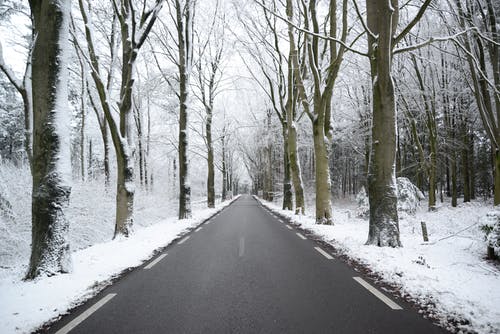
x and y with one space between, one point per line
448 276
96 258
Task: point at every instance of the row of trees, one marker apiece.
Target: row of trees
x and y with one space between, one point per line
91 53
420 101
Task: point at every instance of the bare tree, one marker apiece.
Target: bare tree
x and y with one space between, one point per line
209 75
51 156
481 46
317 105
134 31
382 22
23 86
181 55
270 63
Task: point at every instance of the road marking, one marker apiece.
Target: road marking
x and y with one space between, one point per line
281 221
242 247
289 227
208 222
325 254
199 228
378 294
155 261
183 240
78 320
301 236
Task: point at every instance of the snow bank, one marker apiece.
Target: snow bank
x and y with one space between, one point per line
448 277
27 305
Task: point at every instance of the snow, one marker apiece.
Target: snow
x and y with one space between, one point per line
491 226
28 305
447 277
409 196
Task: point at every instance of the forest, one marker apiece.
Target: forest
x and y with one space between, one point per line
118 115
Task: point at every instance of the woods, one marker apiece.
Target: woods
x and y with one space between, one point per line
302 102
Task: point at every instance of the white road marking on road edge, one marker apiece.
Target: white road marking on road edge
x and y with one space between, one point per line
199 228
155 261
242 247
207 222
289 227
325 254
301 236
183 240
78 320
378 294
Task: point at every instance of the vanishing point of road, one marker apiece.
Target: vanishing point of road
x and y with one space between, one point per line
244 271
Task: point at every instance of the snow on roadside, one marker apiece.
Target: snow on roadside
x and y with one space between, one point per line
27 305
448 276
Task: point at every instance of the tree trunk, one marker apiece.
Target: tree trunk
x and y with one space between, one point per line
184 187
83 104
322 176
140 143
471 167
51 157
496 200
287 185
465 162
210 162
384 225
453 168
432 176
293 154
125 187
90 164
224 171
269 170
183 41
124 194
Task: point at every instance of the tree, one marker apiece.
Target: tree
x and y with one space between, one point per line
382 21
323 79
209 74
181 54
23 86
51 158
134 31
481 46
271 63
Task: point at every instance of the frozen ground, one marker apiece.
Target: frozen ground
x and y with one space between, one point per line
97 259
448 276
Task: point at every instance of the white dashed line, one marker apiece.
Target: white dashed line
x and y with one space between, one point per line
155 261
199 228
289 227
301 236
183 240
378 294
242 247
78 320
325 254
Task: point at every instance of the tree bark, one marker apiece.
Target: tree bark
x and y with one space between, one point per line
384 225
290 106
322 175
224 169
293 154
210 162
51 157
287 185
183 17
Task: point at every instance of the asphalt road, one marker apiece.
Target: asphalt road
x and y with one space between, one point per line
244 271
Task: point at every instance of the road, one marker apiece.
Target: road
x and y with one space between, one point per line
244 271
